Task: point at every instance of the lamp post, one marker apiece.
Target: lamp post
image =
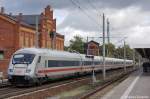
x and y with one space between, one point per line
93 73
133 58
139 61
125 56
104 71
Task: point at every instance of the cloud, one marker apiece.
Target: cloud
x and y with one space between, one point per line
127 17
131 22
71 32
80 21
35 5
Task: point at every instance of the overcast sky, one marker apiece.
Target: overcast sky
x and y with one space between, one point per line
128 18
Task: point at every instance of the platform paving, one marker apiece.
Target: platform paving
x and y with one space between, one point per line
3 81
136 86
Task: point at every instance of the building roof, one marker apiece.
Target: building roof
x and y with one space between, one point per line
144 52
85 45
59 35
93 42
16 20
29 19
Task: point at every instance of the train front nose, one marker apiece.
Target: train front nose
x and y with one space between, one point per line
19 75
21 80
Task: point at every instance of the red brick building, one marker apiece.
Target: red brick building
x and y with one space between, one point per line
92 48
20 31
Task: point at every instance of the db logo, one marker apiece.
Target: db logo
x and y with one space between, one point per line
18 71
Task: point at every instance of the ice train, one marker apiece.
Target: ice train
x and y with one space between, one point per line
35 65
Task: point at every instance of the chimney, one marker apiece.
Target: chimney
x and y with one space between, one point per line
20 14
10 14
19 17
48 7
2 10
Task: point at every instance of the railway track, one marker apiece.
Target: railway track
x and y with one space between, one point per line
105 85
13 92
4 83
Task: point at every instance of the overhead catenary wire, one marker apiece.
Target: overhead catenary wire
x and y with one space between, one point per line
85 13
93 6
89 6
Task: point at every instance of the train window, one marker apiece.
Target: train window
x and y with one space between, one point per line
87 62
39 59
96 63
100 62
23 58
52 63
61 63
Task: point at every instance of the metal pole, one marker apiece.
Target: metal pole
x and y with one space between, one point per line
104 71
108 39
93 74
124 56
37 34
87 53
139 61
133 59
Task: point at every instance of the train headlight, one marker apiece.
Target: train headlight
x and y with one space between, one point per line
28 70
10 70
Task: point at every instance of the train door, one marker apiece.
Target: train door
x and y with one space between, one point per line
46 67
40 67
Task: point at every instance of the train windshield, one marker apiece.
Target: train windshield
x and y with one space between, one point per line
23 58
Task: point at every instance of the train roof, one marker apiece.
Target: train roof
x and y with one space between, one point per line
47 52
62 54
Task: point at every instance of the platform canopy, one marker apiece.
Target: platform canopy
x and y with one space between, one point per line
143 50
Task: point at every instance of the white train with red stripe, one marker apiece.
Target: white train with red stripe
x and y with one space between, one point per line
34 65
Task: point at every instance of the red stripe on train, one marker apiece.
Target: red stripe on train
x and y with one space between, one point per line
57 70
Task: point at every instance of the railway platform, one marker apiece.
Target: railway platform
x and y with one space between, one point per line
3 81
136 86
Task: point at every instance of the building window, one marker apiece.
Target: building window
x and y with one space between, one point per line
26 42
21 41
43 44
48 44
31 42
1 55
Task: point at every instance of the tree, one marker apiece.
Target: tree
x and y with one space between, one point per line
109 50
77 44
66 48
119 52
112 51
